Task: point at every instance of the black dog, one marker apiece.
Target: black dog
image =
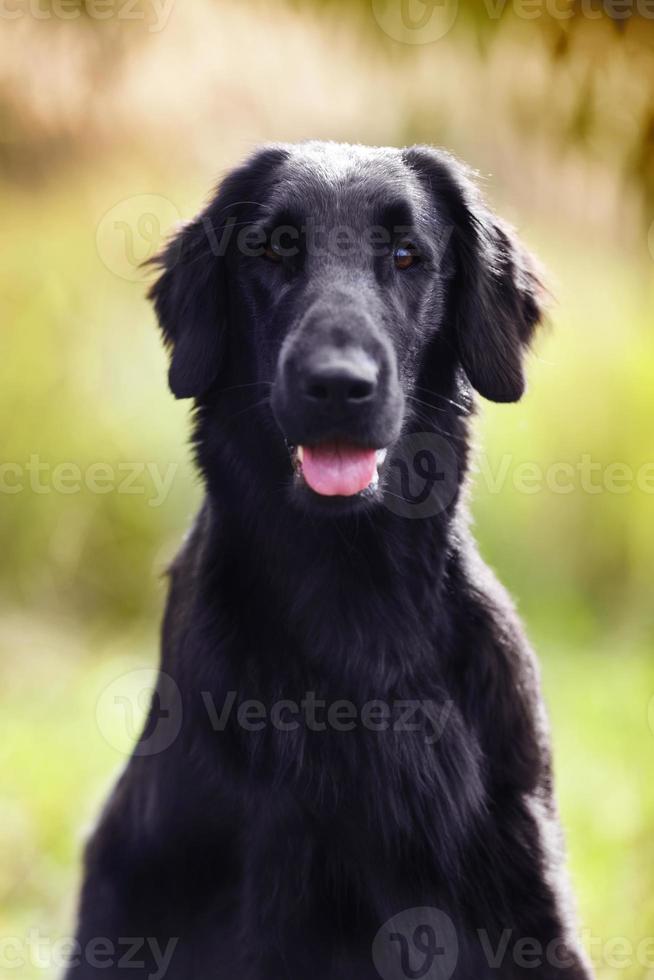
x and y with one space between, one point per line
346 771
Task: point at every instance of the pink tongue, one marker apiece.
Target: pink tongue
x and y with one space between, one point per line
338 470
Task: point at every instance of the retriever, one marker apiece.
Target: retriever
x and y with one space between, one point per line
345 773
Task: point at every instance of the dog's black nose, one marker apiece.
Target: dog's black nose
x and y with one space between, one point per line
337 380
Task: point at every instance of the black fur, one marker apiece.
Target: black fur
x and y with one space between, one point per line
274 854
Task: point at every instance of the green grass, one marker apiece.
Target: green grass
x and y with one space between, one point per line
604 757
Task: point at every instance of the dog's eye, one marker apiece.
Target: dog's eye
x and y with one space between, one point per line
405 255
273 252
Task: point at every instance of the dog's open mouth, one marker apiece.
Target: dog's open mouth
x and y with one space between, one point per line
337 469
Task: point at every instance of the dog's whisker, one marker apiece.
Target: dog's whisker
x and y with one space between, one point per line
420 401
421 416
436 394
250 384
248 408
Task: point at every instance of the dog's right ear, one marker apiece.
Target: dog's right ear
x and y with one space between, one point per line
190 301
191 295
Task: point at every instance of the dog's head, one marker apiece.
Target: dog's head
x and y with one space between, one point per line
339 287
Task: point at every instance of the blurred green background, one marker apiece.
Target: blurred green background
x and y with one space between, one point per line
115 120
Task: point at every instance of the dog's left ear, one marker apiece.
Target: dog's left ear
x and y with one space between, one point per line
496 295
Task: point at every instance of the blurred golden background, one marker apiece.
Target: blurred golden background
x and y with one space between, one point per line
115 120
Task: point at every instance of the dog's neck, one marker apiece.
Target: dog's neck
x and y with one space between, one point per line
335 581
266 533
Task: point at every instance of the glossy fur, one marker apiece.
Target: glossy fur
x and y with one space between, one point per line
271 854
